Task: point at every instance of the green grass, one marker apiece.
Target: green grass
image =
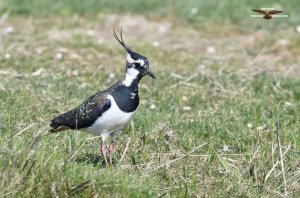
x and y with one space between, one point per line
235 95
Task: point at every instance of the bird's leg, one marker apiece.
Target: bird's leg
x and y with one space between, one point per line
103 152
111 150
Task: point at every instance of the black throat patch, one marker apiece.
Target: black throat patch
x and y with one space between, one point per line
127 98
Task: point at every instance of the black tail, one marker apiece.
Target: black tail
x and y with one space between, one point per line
62 122
54 126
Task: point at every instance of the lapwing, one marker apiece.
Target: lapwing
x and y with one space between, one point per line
268 13
107 112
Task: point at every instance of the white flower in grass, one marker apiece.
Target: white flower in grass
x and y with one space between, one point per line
111 75
194 10
2 88
211 49
187 108
39 50
201 67
100 41
225 148
184 98
9 30
38 72
249 125
262 128
85 85
163 28
90 33
283 42
152 106
75 72
74 56
288 104
222 171
156 44
58 56
7 56
298 29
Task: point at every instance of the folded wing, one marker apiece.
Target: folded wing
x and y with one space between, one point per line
83 116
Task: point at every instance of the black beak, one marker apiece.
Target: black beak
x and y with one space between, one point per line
149 73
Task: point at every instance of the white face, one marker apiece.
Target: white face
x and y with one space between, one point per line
133 70
130 76
140 61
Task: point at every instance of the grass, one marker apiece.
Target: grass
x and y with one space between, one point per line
220 84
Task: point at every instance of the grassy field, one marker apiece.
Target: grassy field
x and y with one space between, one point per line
226 85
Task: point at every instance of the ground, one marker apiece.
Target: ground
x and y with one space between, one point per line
227 84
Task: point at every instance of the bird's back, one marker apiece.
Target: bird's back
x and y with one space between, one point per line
85 114
118 103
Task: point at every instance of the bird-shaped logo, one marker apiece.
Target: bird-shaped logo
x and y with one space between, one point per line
267 13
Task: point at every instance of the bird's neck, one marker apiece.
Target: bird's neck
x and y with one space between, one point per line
131 78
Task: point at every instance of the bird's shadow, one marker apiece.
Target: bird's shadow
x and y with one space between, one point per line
91 159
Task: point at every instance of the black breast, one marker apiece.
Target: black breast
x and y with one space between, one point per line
127 98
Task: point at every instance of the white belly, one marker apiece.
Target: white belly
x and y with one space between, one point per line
110 121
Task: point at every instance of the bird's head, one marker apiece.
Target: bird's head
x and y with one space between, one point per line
135 63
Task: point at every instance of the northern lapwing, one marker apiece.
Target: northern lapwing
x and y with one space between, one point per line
268 13
106 112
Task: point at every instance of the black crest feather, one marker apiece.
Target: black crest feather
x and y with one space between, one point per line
121 41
